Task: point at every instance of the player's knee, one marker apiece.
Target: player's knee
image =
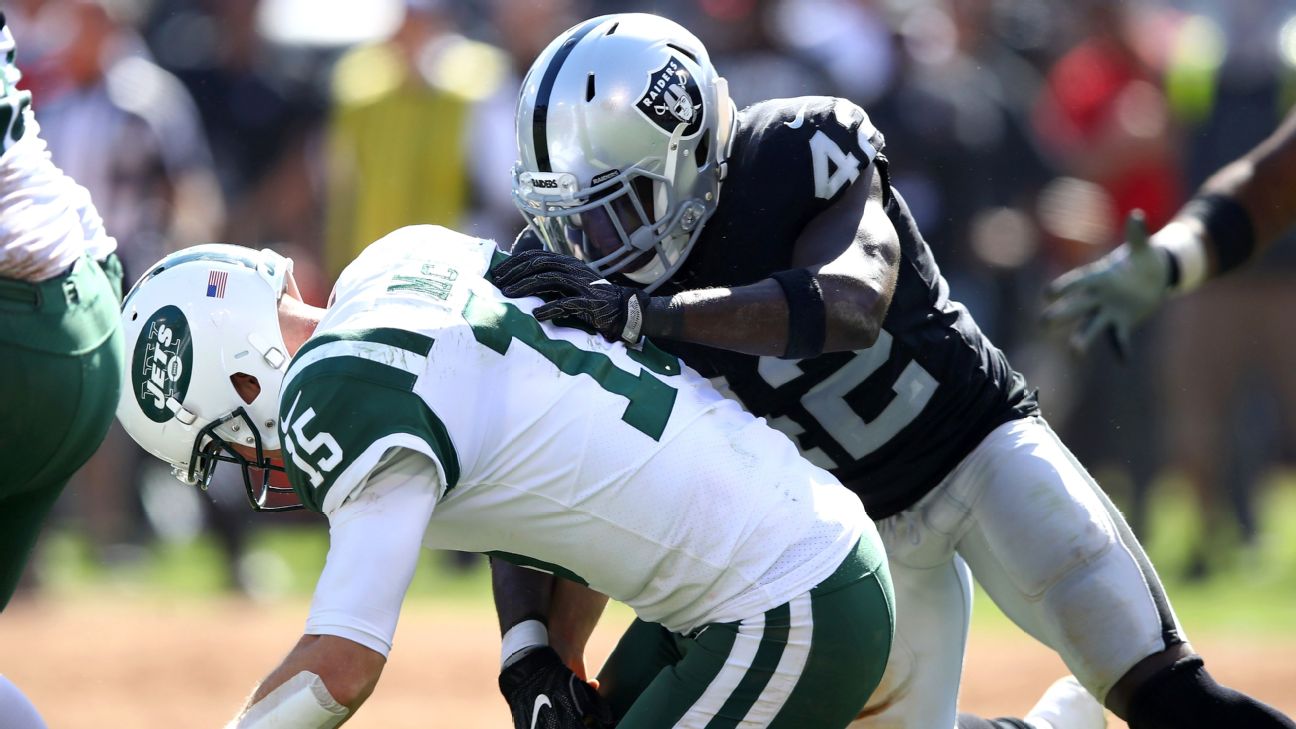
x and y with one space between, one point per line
1184 696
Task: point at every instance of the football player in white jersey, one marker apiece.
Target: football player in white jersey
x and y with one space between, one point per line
423 408
60 343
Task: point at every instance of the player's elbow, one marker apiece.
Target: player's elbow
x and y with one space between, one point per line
855 318
349 670
352 691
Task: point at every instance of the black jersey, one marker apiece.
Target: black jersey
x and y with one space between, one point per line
889 421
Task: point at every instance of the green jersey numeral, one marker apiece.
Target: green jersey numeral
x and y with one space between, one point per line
496 324
432 280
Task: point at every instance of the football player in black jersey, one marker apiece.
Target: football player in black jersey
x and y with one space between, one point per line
767 248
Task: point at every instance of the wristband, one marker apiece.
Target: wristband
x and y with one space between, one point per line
1187 253
520 639
807 320
1229 229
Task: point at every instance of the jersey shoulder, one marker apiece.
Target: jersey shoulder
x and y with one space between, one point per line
819 143
412 265
348 398
790 160
422 243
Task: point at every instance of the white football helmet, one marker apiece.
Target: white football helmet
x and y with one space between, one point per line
623 129
193 321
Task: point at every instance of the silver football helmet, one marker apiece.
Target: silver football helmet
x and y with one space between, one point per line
192 322
623 129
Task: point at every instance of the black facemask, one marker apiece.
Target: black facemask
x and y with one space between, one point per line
209 448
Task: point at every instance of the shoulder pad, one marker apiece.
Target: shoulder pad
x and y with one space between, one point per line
347 399
835 134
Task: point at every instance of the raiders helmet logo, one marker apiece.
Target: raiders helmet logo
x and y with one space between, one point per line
163 363
672 98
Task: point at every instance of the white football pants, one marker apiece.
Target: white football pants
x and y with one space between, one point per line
1048 547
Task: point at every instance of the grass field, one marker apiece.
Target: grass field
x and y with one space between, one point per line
1252 591
158 644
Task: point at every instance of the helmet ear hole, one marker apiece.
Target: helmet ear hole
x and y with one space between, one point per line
702 154
247 386
643 189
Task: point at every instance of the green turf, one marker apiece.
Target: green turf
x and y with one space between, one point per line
1251 591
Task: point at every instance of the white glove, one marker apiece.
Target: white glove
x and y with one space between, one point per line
1114 293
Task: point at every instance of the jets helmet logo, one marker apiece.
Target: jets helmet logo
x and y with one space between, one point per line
672 98
163 363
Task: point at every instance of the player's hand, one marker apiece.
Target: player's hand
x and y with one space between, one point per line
542 693
1112 294
573 290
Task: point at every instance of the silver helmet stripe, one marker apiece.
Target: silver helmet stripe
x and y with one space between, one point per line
539 117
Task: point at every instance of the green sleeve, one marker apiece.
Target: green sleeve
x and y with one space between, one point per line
338 418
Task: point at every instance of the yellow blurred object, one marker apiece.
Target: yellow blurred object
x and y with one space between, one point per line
1196 56
397 140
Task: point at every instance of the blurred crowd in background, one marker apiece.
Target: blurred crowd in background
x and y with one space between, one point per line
1020 131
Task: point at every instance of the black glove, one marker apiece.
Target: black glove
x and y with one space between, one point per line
575 291
543 693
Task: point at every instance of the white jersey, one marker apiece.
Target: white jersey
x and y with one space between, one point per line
554 448
47 220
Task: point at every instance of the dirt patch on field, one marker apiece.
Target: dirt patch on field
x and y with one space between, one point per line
157 664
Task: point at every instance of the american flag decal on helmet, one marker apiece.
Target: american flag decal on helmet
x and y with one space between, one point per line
216 284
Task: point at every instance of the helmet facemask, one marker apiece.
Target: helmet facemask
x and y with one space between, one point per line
617 225
209 448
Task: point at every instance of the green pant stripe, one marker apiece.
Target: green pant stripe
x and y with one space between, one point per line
812 662
752 685
796 656
842 672
716 644
734 666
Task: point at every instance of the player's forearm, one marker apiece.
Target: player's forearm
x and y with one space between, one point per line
1244 207
750 319
565 611
572 616
323 681
1264 182
520 593
754 319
